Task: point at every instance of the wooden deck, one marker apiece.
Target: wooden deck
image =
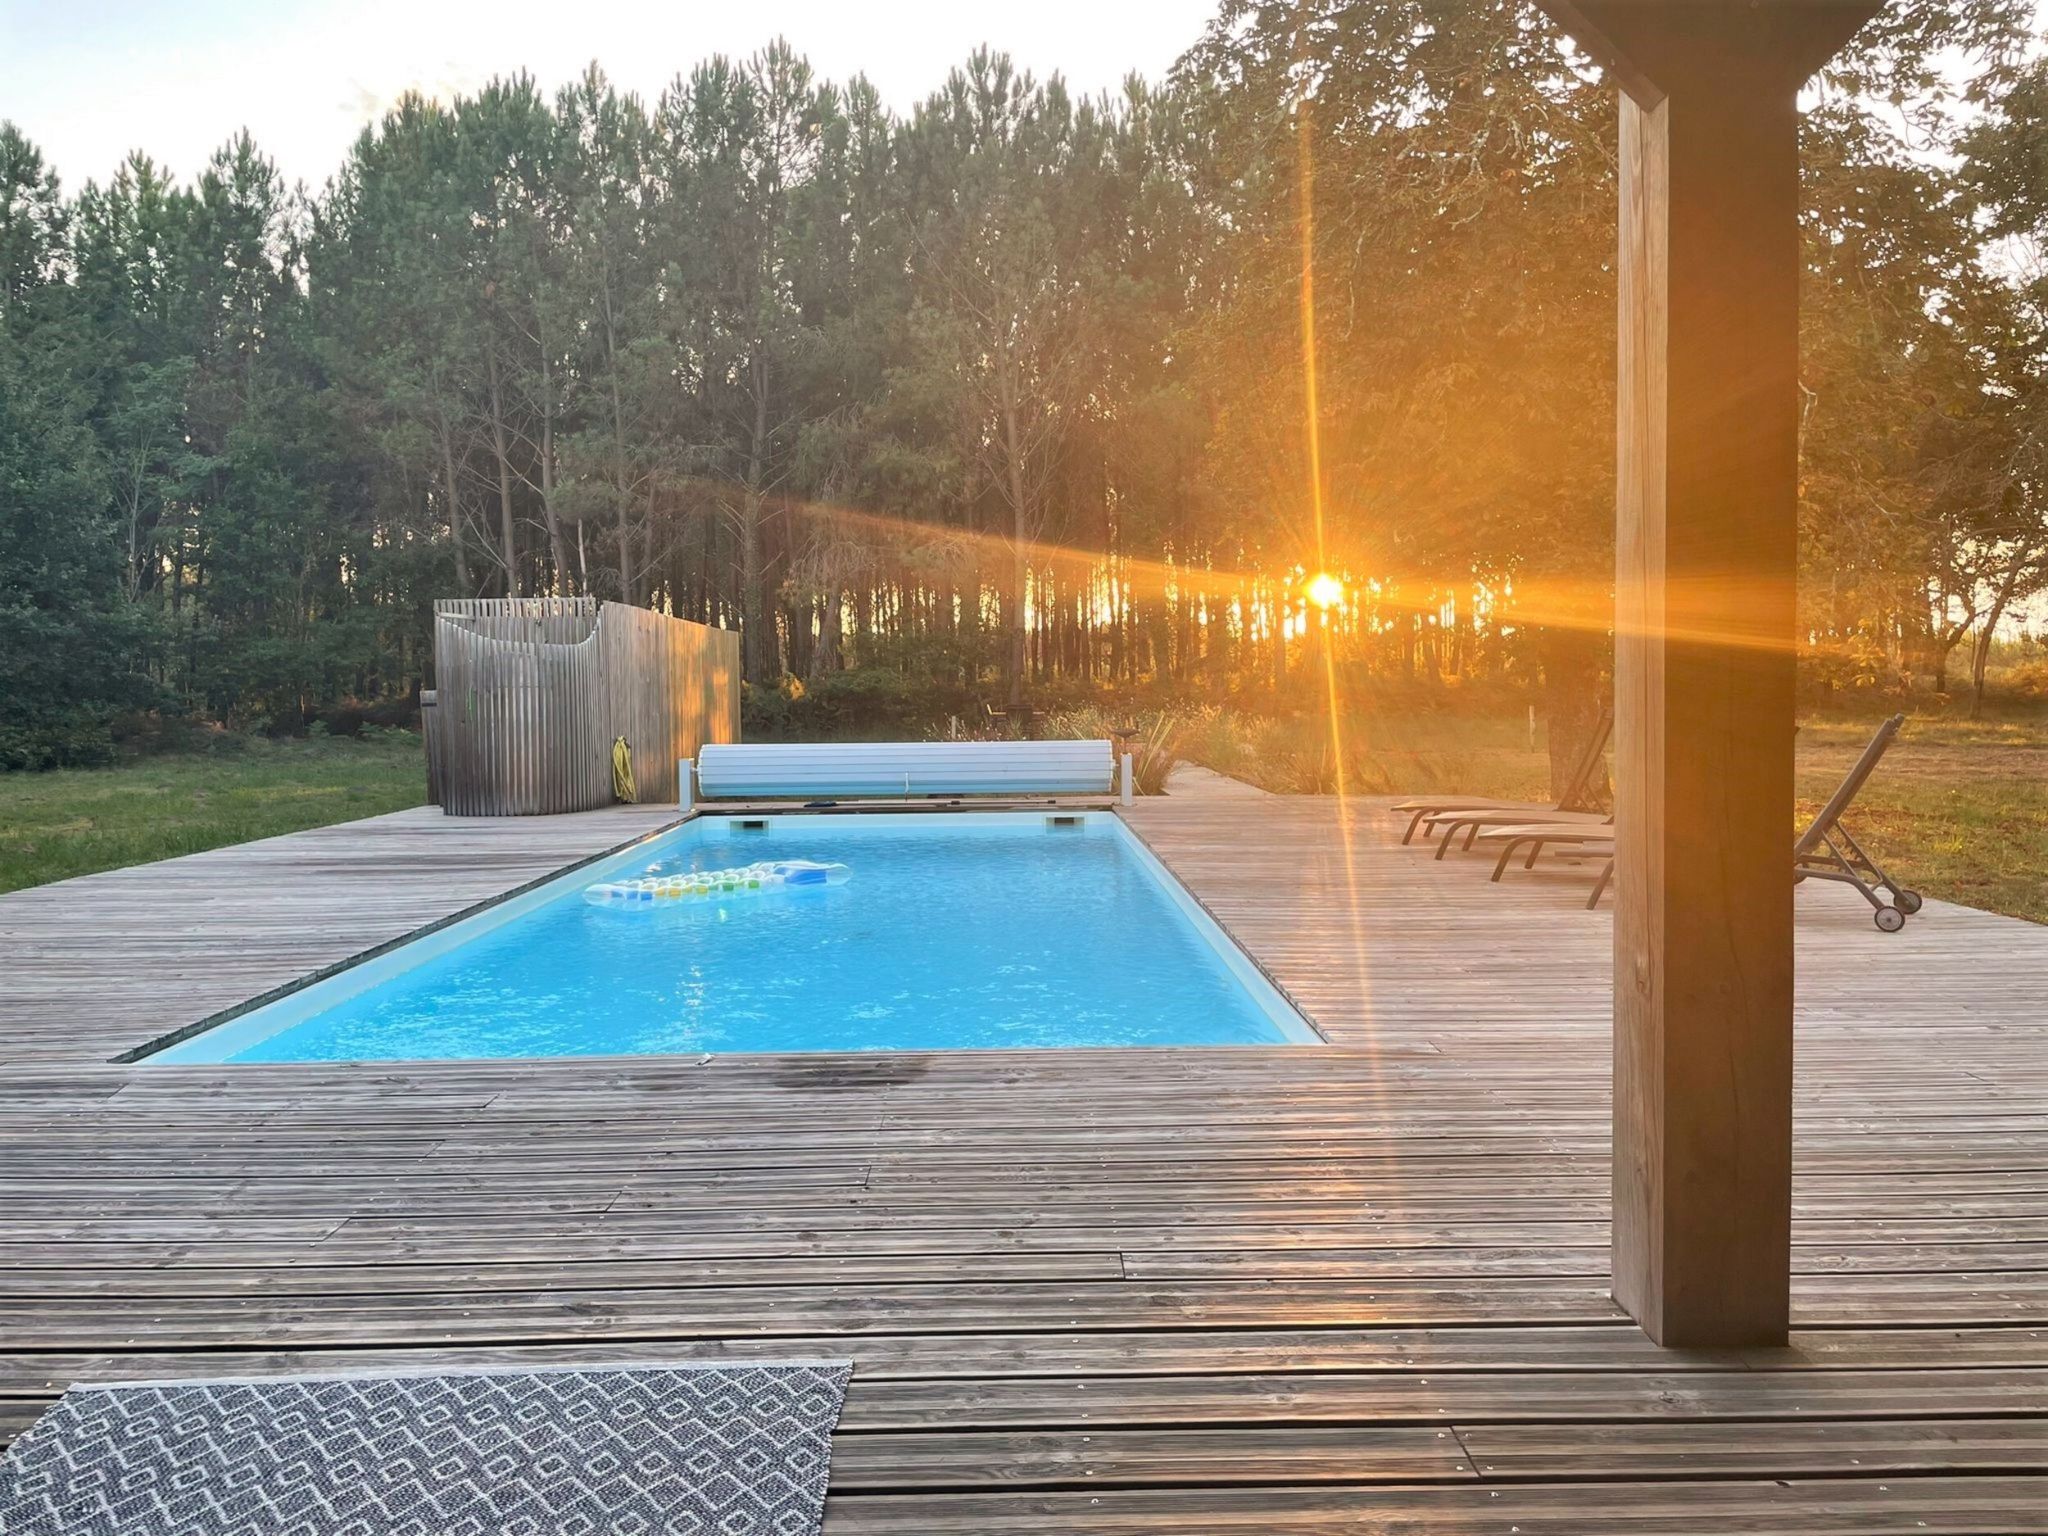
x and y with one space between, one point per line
1360 1287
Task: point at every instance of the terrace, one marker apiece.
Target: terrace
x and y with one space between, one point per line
1238 1288
1576 1221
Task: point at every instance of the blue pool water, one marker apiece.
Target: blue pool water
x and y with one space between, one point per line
955 931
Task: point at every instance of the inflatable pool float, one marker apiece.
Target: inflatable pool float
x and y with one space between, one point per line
701 885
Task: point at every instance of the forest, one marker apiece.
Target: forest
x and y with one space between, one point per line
1007 396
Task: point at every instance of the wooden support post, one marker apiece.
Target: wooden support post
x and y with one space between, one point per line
1703 675
1706 559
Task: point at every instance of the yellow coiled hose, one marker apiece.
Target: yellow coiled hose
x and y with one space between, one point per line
622 772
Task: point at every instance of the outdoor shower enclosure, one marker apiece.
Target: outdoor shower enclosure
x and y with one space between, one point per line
531 691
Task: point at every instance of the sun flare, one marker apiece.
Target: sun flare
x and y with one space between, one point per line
1324 590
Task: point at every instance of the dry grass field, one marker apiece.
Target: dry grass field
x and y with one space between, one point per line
1958 808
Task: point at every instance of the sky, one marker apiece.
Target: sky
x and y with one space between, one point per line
89 80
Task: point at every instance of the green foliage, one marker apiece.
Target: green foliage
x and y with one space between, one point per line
1008 396
866 702
69 645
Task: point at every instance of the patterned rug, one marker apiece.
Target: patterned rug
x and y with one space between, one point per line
682 1450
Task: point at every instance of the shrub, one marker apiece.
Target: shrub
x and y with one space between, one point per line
1155 749
865 702
74 739
341 720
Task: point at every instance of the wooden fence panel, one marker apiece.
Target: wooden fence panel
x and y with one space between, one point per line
671 686
532 691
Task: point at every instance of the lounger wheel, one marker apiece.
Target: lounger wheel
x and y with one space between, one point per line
1907 902
1890 919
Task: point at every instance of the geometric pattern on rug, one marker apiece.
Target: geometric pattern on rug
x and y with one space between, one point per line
682 1450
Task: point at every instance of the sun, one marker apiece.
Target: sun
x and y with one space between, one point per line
1324 590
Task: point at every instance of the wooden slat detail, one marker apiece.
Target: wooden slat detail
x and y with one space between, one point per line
533 691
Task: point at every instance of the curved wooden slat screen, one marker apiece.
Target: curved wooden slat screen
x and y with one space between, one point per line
531 692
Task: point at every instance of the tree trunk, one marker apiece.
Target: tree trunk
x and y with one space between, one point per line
1942 636
831 612
1980 657
619 486
1020 561
451 489
508 537
754 639
1943 642
547 470
132 577
1572 697
646 544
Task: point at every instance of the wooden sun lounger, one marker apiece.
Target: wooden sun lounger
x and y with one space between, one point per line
1531 838
1586 842
1428 807
1473 823
1825 850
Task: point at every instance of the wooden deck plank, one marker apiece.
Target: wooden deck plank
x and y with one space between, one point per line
1174 1458
1947 1506
1260 1289
1853 1449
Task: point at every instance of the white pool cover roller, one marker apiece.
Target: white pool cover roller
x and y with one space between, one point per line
781 770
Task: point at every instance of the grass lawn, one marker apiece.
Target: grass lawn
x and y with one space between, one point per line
77 821
1958 809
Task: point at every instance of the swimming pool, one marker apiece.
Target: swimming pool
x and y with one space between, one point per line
955 931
